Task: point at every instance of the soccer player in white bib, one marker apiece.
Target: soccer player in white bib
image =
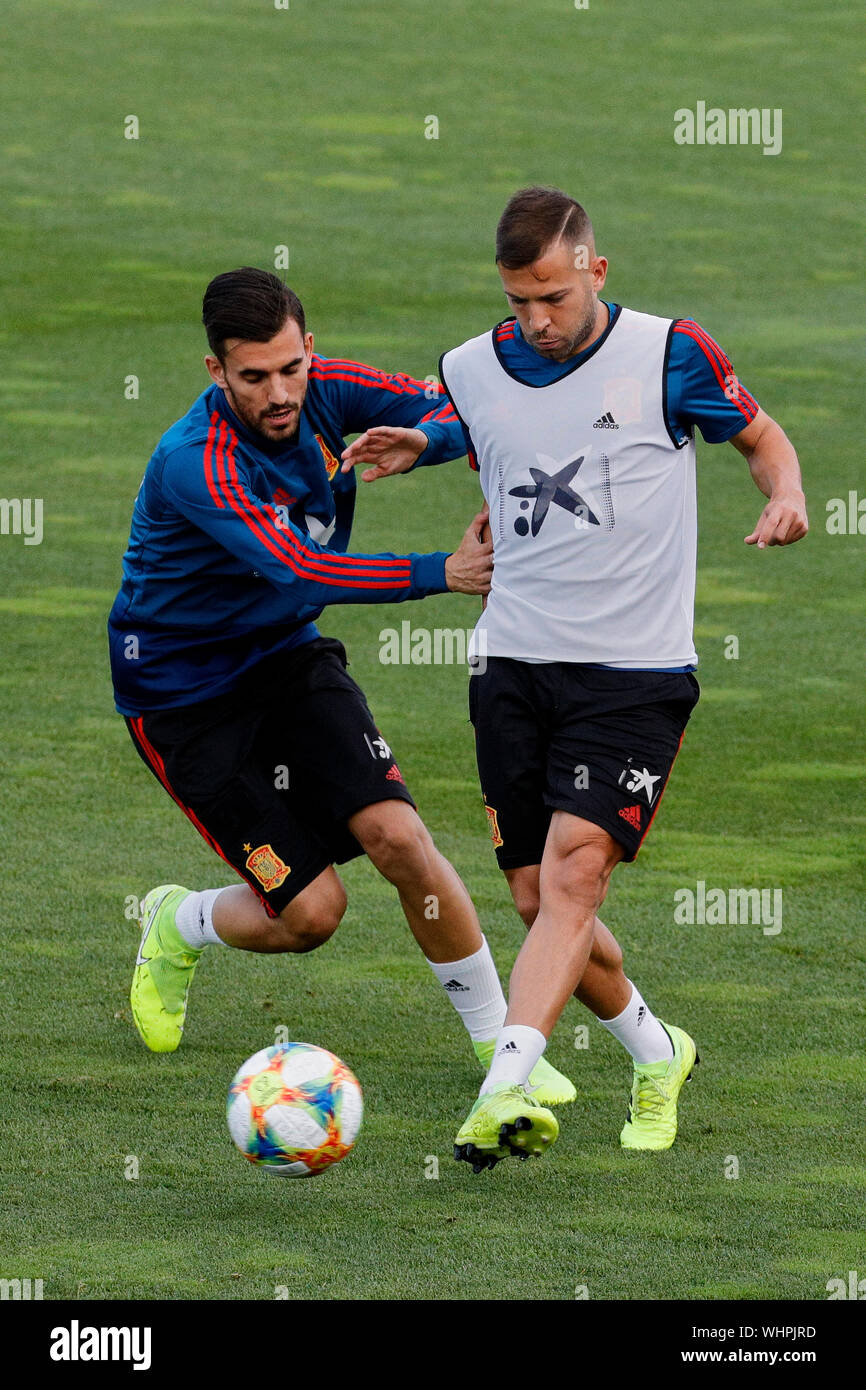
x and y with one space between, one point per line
580 415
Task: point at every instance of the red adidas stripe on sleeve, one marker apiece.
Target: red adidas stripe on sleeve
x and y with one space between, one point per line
443 414
343 369
208 462
723 370
339 570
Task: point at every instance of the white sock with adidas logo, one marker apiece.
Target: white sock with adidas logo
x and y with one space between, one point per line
518 1048
639 1031
473 987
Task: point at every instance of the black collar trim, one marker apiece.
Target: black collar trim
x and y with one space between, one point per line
543 385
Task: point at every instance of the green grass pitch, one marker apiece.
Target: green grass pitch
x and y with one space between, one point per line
305 127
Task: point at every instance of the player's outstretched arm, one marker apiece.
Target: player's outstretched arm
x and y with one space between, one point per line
388 448
220 501
401 421
773 463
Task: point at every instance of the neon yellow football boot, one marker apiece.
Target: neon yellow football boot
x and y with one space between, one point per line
163 970
652 1109
505 1122
546 1084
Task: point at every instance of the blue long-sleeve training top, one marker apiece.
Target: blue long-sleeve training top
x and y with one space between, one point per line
238 542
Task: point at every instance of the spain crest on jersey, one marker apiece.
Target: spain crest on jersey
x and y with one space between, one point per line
332 463
622 397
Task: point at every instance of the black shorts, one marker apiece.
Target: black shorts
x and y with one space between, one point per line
594 741
270 772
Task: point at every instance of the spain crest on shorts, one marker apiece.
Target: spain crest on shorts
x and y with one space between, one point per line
494 826
268 867
332 463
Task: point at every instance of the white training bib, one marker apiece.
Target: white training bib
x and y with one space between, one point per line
592 503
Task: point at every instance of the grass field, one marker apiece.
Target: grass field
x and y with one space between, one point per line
305 127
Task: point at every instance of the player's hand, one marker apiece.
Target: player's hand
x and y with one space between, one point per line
485 534
782 521
470 569
391 449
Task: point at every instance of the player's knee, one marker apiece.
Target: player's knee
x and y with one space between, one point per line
583 873
309 931
527 902
524 889
312 918
399 846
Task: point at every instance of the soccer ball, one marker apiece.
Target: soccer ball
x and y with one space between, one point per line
294 1109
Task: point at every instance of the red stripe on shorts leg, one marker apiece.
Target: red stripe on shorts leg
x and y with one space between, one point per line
155 762
661 793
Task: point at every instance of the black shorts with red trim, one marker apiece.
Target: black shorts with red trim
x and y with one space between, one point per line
595 741
270 772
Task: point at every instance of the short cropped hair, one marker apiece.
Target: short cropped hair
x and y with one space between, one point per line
535 218
250 304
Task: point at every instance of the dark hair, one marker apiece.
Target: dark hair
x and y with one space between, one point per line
249 304
533 219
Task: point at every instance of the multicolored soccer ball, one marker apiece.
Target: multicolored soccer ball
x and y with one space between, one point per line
294 1109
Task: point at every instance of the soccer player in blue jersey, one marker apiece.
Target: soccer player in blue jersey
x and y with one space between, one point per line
244 712
580 415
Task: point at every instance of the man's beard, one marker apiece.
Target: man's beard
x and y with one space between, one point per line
572 345
256 422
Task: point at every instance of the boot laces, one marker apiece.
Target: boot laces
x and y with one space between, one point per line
649 1099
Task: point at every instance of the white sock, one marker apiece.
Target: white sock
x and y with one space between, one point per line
518 1048
639 1031
473 987
194 919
